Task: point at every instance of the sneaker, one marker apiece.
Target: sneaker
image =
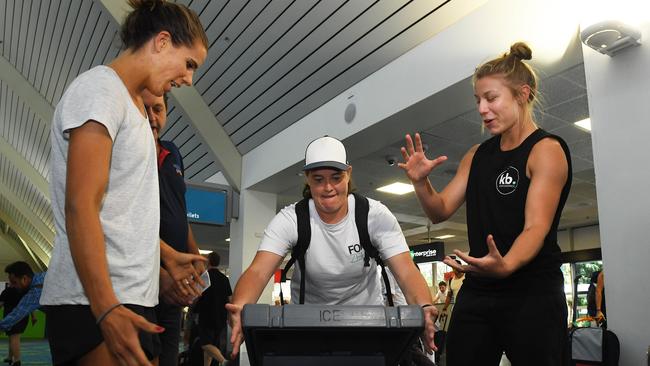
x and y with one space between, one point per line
7 360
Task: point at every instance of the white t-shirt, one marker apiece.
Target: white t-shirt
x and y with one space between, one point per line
335 270
440 297
130 212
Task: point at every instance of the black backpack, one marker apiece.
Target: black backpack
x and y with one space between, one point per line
304 239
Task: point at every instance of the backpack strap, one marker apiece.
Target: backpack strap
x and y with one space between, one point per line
304 239
299 250
175 153
361 209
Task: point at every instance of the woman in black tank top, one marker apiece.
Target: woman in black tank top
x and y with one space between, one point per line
515 185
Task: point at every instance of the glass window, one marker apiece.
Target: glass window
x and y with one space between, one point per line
583 273
427 272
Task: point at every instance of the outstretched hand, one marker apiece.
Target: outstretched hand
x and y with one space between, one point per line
416 165
490 265
430 315
234 318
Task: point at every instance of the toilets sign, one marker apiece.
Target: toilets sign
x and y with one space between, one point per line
206 206
430 252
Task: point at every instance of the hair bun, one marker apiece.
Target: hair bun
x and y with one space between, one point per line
145 4
521 51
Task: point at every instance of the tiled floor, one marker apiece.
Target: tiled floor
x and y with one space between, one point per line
33 352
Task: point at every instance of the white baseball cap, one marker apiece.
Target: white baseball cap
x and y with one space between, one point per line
325 152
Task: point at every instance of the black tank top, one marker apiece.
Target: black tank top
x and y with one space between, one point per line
496 200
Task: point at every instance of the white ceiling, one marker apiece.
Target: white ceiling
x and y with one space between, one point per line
269 64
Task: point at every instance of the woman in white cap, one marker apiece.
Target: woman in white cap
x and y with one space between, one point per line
335 263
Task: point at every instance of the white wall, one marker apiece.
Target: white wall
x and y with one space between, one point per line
619 105
256 209
581 238
586 238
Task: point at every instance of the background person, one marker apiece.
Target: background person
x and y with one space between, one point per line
212 313
103 277
441 295
9 298
455 283
601 308
336 271
28 286
515 185
174 230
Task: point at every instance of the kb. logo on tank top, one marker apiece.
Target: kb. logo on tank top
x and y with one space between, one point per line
507 181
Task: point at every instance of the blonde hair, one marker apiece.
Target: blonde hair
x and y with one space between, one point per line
515 72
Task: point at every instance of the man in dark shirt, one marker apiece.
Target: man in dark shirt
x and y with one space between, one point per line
19 300
212 313
174 229
9 298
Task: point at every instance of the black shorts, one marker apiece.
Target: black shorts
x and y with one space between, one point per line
19 327
72 332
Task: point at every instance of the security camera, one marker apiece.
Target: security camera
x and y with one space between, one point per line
610 36
391 160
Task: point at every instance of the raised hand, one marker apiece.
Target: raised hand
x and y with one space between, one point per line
416 165
491 265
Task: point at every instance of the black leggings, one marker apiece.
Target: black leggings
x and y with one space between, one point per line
530 327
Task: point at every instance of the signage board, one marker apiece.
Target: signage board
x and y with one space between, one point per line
206 205
430 252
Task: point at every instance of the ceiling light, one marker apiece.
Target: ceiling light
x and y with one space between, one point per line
397 188
585 124
202 251
443 237
228 239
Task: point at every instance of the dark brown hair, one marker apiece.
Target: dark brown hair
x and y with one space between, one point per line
214 259
19 269
516 73
150 17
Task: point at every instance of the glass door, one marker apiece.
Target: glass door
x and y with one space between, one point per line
583 272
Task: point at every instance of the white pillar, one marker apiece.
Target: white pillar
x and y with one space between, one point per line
619 105
256 209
